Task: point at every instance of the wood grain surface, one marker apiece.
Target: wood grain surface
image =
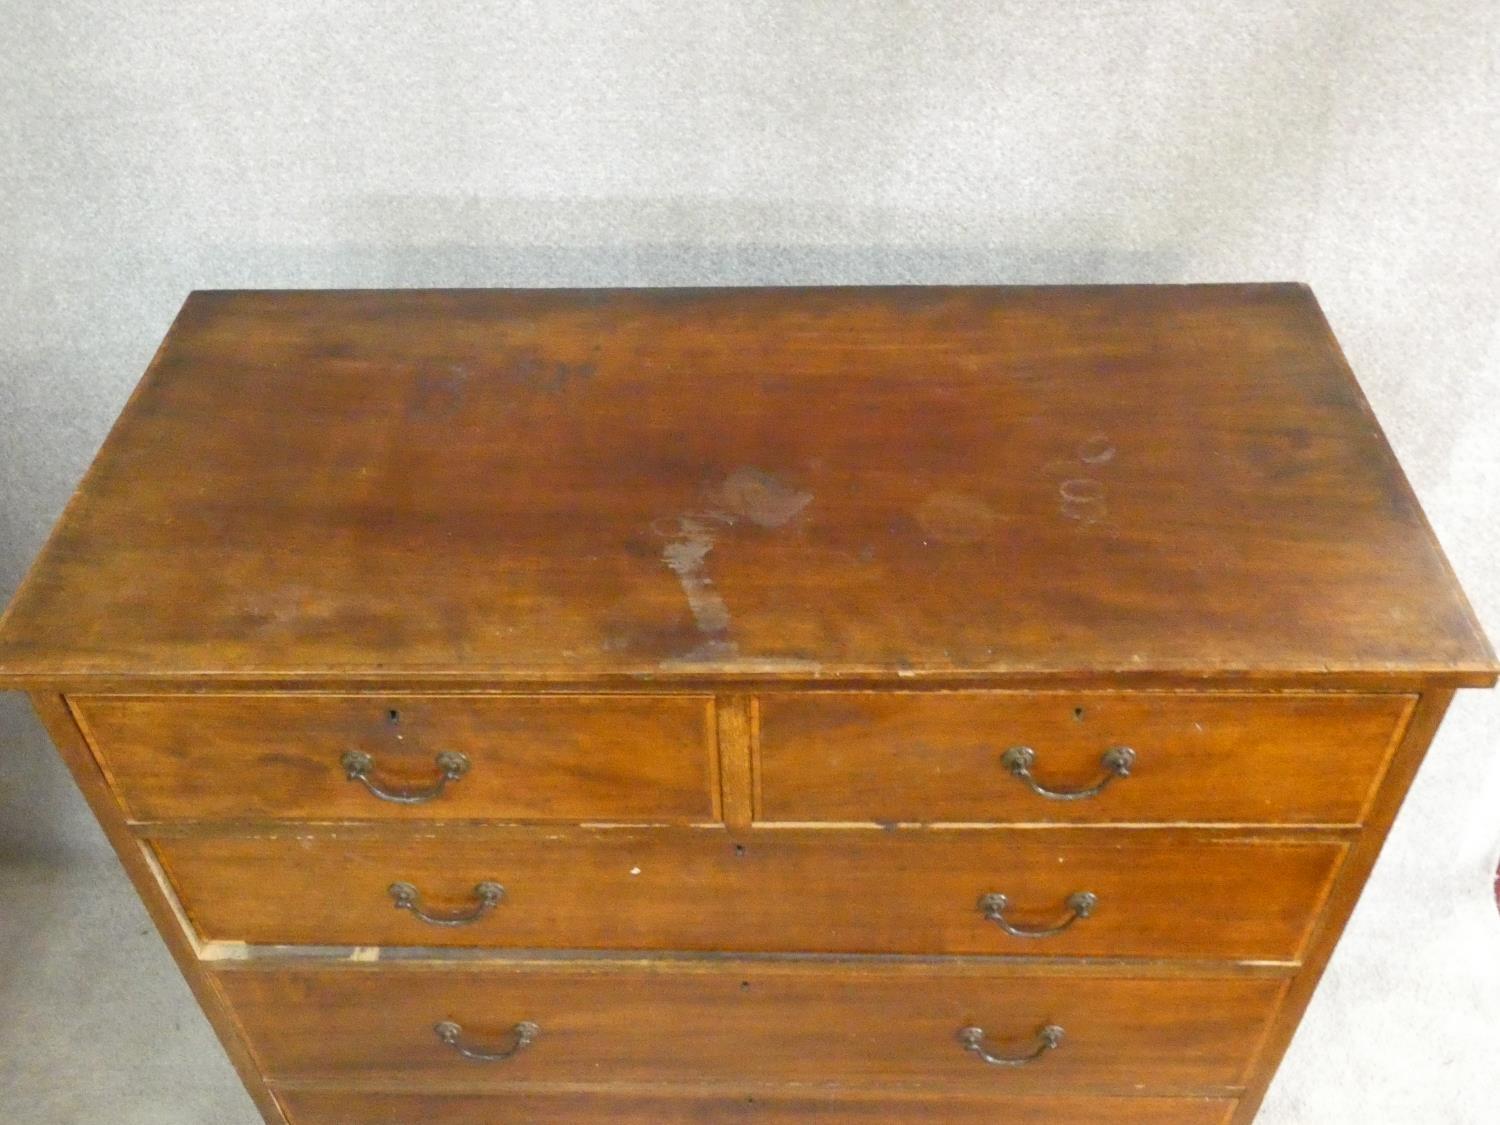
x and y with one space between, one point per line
1174 480
1236 759
339 1106
813 891
826 1026
552 757
803 562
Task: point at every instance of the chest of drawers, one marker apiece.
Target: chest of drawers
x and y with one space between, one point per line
773 705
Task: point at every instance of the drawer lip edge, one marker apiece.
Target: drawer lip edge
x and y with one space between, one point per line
420 959
117 680
717 689
834 1093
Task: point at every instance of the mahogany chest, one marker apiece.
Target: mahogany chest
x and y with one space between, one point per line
774 705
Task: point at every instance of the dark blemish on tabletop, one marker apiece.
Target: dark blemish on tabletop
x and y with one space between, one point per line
440 394
546 375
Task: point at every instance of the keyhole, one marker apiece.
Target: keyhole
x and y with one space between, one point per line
393 716
1078 714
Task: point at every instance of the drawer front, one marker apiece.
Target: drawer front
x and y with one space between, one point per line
352 1107
542 757
850 891
830 1026
1200 759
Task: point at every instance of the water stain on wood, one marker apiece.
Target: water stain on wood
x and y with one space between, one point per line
1097 450
1082 496
759 497
685 556
747 495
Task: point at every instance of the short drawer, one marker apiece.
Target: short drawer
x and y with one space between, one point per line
845 891
1003 757
356 1107
337 757
828 1026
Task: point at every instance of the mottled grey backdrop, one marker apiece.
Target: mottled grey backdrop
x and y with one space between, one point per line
150 148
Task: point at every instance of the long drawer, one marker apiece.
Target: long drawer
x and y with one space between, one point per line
1008 757
341 757
356 1107
886 1026
1150 894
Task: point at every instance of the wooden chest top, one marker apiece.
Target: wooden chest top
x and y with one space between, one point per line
889 484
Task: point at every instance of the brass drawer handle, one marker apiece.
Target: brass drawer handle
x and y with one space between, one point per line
522 1036
1117 762
487 896
1080 904
359 766
1047 1039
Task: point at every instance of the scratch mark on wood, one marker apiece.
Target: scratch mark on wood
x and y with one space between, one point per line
731 661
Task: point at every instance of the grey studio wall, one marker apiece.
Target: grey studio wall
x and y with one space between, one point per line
150 148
